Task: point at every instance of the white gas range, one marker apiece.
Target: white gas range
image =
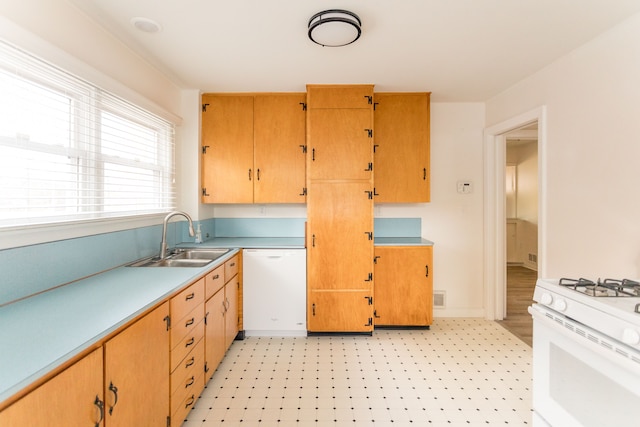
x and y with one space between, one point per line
586 352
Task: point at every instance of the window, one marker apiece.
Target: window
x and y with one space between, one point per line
70 151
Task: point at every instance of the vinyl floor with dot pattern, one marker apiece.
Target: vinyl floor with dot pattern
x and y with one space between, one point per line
461 372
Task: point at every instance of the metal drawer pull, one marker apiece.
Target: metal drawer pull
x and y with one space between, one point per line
190 342
217 276
190 322
190 401
190 296
100 404
190 362
233 264
190 382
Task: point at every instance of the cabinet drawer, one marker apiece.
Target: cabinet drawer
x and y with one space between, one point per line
187 300
180 408
230 268
180 328
214 281
188 370
188 343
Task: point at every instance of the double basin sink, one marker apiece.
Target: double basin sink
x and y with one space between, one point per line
183 257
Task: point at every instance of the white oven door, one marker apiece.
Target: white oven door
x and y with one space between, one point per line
580 377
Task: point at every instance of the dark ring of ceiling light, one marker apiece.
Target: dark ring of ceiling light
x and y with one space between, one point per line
335 16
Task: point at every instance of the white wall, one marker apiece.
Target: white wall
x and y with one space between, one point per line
590 162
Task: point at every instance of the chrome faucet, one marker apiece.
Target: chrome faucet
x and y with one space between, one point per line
163 244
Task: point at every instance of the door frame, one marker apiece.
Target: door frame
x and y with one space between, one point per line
495 257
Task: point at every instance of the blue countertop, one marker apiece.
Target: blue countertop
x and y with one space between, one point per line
47 330
42 332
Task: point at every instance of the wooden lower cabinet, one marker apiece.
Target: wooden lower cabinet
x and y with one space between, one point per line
136 373
72 398
403 293
339 311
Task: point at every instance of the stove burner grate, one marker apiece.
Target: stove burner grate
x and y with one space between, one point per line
605 288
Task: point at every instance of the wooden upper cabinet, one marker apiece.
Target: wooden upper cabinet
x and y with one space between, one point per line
339 96
402 147
253 148
279 141
227 146
340 144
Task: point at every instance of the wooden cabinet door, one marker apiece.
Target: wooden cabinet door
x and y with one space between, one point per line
339 236
339 311
137 365
71 398
214 333
227 143
279 140
340 144
401 159
339 96
231 313
403 294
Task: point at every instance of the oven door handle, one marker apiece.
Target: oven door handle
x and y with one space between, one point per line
601 344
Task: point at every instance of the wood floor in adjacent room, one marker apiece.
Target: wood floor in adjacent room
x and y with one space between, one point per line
520 284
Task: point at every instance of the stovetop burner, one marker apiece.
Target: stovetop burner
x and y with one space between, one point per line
603 288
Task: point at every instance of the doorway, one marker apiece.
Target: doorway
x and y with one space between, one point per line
495 209
521 210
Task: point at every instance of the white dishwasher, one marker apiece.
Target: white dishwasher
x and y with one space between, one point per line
274 292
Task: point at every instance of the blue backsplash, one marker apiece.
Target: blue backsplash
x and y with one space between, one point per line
29 270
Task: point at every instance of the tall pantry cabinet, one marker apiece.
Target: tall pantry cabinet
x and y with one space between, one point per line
339 208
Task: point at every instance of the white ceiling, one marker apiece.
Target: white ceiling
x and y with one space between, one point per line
460 50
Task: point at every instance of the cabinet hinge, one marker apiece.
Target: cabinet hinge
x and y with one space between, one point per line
369 167
369 195
205 317
204 149
375 104
168 320
304 191
369 300
369 99
304 148
369 234
168 421
369 132
204 107
375 259
206 368
375 147
304 106
369 279
204 191
374 192
375 314
370 322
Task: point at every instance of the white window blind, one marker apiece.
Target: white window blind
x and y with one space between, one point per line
70 151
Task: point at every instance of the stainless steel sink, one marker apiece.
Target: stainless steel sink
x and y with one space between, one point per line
183 258
195 254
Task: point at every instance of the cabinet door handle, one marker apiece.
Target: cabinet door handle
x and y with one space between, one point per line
313 154
249 174
424 174
100 404
189 322
113 389
190 296
427 267
258 174
190 362
190 383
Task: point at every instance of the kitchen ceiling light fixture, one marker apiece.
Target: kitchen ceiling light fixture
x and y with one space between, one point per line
146 25
334 28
